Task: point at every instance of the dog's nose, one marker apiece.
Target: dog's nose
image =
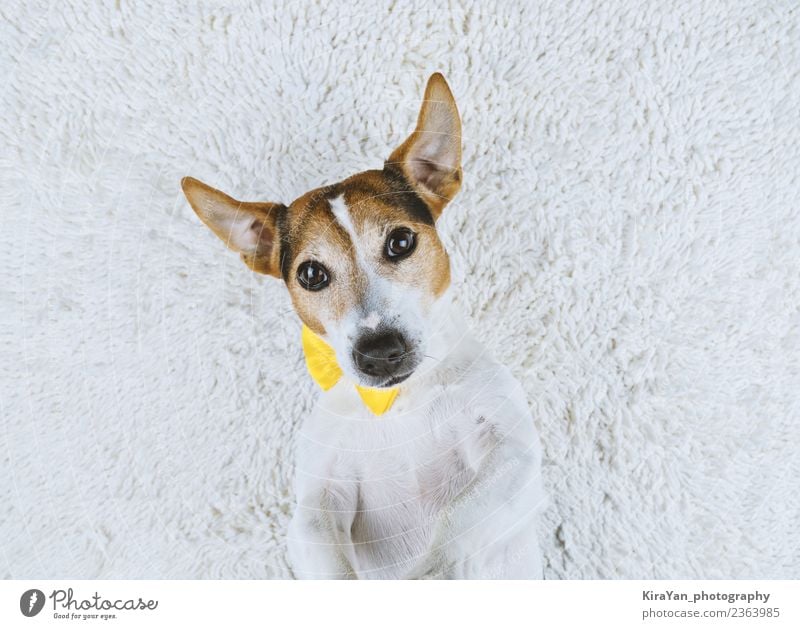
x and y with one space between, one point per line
380 354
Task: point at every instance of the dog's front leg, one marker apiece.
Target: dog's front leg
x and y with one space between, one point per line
320 546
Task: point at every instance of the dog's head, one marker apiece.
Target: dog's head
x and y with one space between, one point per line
361 258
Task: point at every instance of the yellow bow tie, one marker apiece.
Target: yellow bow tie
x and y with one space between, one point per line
322 365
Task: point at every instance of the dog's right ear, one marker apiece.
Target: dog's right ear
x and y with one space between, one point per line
250 229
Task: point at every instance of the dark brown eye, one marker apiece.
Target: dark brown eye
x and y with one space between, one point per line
313 276
400 243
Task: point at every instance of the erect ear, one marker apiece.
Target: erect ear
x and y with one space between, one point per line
248 228
430 158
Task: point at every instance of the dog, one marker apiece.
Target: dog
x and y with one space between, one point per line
421 458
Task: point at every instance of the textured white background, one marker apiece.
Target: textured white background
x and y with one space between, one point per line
627 240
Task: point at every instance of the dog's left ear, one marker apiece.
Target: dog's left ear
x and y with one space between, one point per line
430 158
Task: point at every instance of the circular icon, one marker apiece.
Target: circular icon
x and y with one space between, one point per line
31 602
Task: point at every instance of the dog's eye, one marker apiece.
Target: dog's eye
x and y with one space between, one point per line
400 243
313 276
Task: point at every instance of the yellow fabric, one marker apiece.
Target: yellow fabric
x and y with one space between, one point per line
322 365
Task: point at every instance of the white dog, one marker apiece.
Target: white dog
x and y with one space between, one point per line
421 459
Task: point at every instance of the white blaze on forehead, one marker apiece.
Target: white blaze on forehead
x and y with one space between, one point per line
370 321
342 214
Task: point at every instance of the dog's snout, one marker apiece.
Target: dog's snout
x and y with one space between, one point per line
380 354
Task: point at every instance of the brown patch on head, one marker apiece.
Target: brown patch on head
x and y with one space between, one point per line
379 203
310 233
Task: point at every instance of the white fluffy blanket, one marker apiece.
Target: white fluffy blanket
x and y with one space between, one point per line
627 241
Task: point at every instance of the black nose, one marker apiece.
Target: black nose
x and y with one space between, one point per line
380 354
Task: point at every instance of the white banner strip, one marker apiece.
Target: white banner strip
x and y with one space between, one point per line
382 605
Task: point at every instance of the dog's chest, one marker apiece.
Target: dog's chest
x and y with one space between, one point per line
404 491
407 469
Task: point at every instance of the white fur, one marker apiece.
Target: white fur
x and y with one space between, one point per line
371 321
447 484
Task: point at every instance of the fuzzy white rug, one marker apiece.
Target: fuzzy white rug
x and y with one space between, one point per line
627 241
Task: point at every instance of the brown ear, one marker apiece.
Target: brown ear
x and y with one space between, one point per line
431 156
248 228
